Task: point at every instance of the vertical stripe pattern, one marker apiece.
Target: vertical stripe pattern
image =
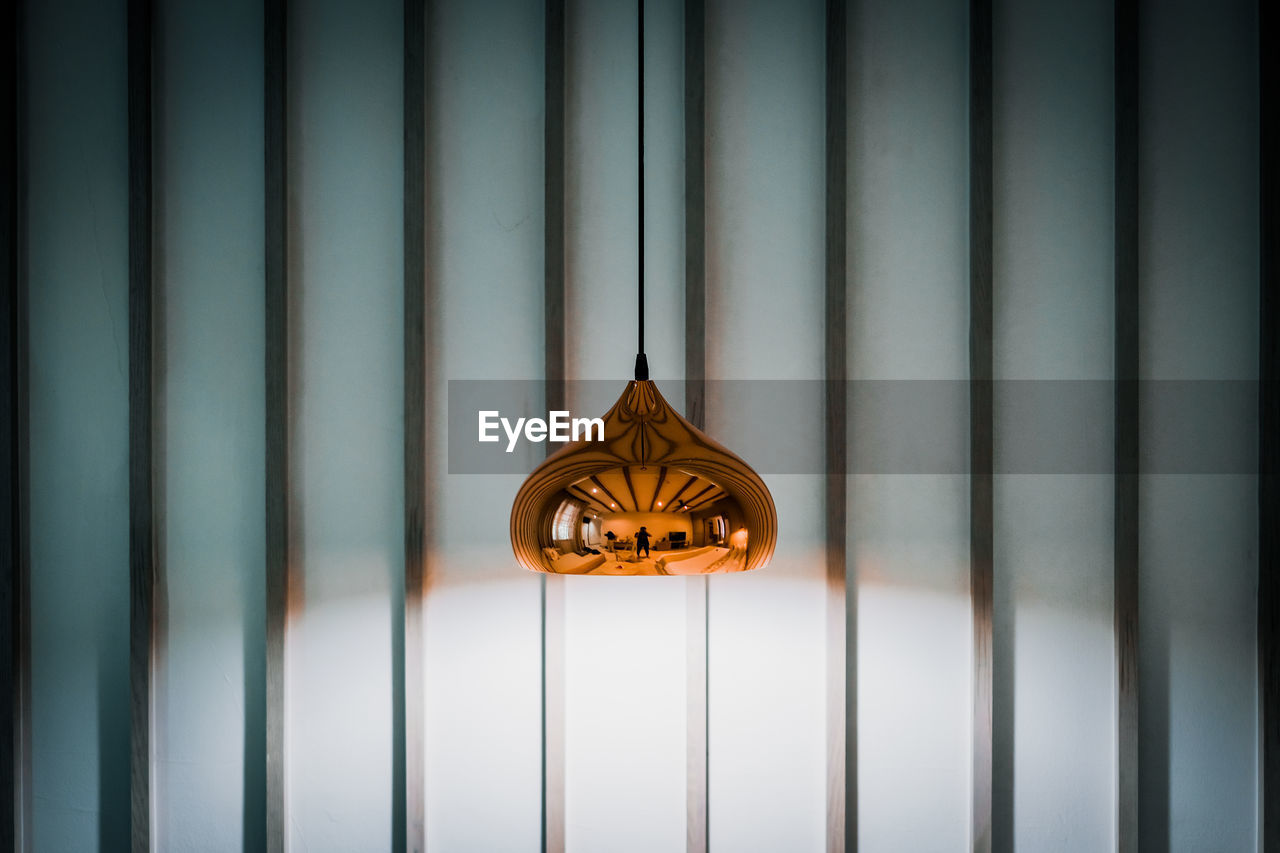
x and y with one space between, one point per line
842 788
697 825
277 413
980 413
1269 447
554 205
1126 423
411 710
554 373
15 731
695 211
142 551
697 831
991 816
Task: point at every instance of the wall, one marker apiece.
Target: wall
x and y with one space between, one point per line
625 690
626 641
210 669
485 231
78 266
765 689
659 524
1198 533
908 320
1055 650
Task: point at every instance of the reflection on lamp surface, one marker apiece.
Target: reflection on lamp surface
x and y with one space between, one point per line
656 497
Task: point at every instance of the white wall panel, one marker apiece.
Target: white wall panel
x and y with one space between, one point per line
484 265
210 223
601 204
625 714
767 637
908 320
347 275
78 220
1055 665
1198 533
624 637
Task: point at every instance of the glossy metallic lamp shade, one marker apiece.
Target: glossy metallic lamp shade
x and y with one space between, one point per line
653 480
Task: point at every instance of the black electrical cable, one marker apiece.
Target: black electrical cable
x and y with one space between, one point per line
642 362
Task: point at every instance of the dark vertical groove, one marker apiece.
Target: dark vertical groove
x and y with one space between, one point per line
695 212
15 739
842 778
10 527
554 374
1125 560
275 42
554 201
697 760
553 686
142 556
981 561
993 627
1269 445
410 826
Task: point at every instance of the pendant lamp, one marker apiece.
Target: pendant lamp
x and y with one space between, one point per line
655 496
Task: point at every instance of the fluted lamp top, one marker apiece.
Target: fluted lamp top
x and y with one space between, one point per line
656 496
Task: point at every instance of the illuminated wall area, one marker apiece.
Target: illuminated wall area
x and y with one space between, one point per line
256 601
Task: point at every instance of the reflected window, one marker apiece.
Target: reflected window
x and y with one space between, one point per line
562 523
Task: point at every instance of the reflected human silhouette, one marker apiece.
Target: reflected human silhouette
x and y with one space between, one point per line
642 541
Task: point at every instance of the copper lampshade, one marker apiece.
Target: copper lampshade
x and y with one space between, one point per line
656 496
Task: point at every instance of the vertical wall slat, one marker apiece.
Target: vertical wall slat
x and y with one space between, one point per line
1054 651
697 825
275 45
1126 423
15 731
142 557
554 202
907 261
1269 445
553 666
1197 320
208 670
695 211
553 657
80 472
411 711
981 413
697 838
346 290
10 529
842 764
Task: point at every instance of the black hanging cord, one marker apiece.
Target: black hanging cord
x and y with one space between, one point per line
642 362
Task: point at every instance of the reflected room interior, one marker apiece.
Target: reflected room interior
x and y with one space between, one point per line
644 520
